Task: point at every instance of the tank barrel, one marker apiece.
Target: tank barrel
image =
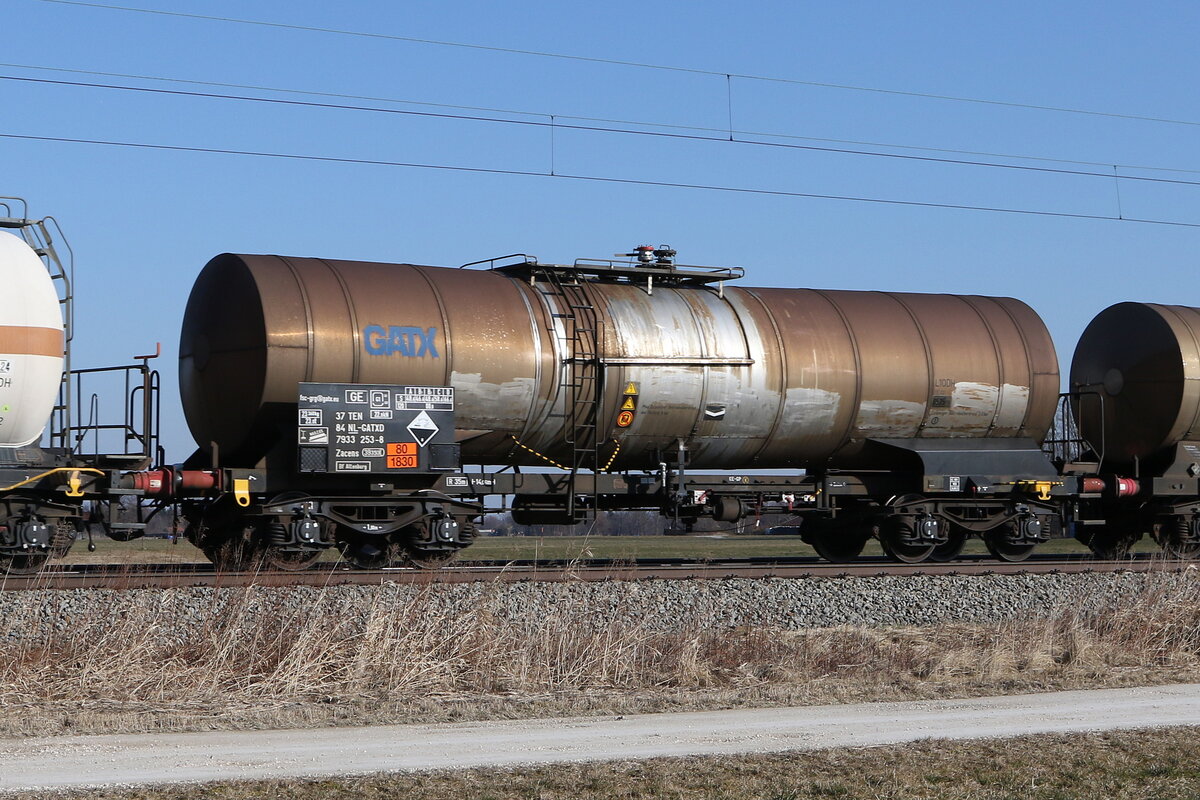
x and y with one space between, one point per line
548 361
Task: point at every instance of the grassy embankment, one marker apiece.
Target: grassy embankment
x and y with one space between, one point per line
251 660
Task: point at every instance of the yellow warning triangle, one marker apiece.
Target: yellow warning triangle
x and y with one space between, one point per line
631 388
628 405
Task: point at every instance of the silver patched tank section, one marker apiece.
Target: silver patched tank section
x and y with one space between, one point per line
743 377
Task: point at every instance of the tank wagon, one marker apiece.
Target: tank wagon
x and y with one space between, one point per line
61 466
1135 409
918 418
382 408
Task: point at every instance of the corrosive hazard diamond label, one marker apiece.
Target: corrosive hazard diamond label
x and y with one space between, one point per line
423 428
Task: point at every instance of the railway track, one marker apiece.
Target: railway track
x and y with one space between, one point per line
142 576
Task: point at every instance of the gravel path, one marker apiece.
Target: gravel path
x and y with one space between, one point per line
64 762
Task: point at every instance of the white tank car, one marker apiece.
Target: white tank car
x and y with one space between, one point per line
31 343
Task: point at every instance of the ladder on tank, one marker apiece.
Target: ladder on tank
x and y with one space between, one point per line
581 383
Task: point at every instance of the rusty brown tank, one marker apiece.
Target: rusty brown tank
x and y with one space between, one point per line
1136 370
746 377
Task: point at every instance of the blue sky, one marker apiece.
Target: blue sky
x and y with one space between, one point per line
143 222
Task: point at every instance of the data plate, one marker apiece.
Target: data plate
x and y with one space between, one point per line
375 429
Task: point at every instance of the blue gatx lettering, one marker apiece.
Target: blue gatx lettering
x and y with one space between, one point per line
407 340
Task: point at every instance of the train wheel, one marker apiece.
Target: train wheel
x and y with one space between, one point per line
1000 544
951 549
419 549
23 563
237 553
899 541
1177 539
66 531
839 547
282 551
31 538
290 560
228 538
1108 544
372 553
427 559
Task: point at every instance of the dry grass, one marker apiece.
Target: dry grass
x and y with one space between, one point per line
395 662
1132 765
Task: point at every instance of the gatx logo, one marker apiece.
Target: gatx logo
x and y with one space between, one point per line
407 340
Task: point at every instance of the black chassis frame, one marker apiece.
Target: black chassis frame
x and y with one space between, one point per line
363 506
820 496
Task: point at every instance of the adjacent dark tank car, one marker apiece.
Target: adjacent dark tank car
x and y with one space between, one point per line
1136 381
1135 394
738 377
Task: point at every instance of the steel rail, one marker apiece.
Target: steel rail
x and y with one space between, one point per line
146 576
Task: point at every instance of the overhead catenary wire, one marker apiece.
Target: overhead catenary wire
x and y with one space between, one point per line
611 120
625 63
554 125
600 179
616 121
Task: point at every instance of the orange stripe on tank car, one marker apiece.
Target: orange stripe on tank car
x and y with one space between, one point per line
19 340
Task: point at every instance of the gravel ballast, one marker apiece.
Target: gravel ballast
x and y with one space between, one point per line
658 605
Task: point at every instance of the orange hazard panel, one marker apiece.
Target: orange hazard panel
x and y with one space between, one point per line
402 455
402 462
